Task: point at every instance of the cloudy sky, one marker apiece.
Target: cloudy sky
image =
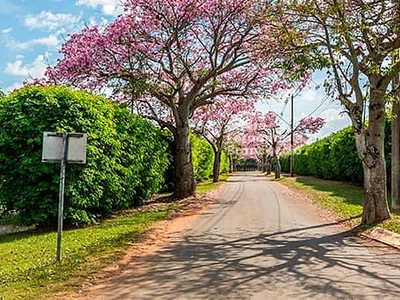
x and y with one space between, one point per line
32 31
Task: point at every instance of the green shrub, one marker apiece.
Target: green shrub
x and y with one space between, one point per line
334 157
224 163
203 158
126 157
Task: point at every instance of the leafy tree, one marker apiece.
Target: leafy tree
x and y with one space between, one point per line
356 39
125 156
168 58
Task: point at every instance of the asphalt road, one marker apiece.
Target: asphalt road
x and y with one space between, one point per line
260 241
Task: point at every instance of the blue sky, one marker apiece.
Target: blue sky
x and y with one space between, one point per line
32 31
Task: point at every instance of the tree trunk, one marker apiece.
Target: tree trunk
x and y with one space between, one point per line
277 167
268 166
370 147
231 164
264 163
396 148
185 184
375 206
217 164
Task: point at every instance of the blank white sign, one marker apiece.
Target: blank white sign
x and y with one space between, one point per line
52 147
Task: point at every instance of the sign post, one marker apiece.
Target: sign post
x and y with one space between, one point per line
65 148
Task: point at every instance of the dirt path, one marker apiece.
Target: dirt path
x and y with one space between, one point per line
259 241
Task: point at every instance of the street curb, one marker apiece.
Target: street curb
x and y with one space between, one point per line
384 236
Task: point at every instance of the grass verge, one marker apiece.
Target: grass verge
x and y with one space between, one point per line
342 199
205 186
28 267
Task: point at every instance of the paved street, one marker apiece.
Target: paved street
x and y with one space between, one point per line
260 241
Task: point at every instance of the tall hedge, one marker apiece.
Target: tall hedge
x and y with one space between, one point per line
334 157
224 163
126 156
203 158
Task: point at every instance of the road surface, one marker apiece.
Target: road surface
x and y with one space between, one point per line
260 241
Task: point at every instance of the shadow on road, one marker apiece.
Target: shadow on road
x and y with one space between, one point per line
297 263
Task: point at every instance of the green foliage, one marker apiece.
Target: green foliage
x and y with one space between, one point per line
224 168
203 158
334 157
126 156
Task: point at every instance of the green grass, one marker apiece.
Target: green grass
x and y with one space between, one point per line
342 199
28 267
208 185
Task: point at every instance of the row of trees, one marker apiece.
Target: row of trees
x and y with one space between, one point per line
269 139
170 58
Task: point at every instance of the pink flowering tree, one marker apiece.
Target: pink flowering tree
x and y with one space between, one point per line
168 58
265 134
220 120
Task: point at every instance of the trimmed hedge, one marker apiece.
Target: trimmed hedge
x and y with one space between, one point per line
203 158
334 157
126 156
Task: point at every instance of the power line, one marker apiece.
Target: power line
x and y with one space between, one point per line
322 102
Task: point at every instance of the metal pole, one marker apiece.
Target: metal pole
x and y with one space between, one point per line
291 138
61 195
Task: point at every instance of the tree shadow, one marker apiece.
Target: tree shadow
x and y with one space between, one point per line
351 194
296 263
244 176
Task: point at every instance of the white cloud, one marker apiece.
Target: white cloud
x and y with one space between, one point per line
35 69
6 30
333 114
48 20
49 41
98 22
108 7
310 94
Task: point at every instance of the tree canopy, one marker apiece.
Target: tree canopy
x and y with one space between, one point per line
168 58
